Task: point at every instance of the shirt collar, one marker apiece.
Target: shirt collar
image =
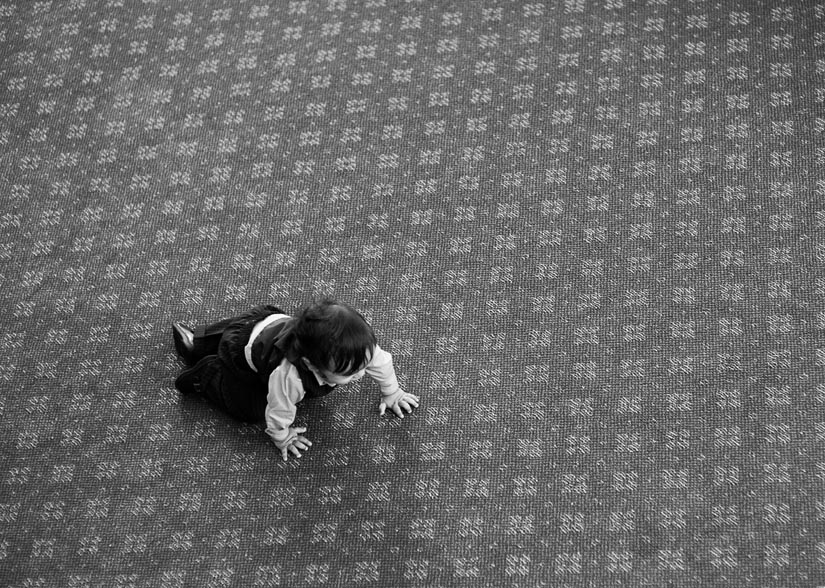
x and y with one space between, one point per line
320 380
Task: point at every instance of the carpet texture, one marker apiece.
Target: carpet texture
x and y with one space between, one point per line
589 231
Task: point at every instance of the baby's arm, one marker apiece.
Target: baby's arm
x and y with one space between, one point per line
380 369
284 392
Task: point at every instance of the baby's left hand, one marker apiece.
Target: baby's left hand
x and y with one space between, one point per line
396 402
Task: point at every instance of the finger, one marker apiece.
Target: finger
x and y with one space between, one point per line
403 404
397 410
382 408
300 429
294 450
284 453
412 399
300 446
304 440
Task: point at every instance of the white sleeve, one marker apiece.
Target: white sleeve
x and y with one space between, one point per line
381 370
284 392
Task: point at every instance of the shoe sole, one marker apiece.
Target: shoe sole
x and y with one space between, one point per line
180 344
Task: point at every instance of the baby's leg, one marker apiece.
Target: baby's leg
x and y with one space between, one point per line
240 395
206 338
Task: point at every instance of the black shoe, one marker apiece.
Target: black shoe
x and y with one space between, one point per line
205 373
187 381
184 341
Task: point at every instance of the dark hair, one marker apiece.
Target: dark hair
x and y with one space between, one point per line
334 336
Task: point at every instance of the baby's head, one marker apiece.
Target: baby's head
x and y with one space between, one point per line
334 340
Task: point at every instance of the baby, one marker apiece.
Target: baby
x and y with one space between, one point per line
259 365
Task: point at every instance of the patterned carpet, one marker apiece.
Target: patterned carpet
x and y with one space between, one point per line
589 231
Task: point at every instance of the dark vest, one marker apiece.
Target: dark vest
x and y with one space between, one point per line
275 343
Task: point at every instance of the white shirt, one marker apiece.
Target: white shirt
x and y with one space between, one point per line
285 390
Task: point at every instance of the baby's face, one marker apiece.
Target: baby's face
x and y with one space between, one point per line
332 378
340 379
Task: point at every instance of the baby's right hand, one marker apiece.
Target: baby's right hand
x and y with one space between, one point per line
295 444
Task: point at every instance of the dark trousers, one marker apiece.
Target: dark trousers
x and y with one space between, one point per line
221 373
207 338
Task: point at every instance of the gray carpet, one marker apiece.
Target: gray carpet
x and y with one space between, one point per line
589 231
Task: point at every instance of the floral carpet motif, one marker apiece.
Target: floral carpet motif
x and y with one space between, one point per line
590 232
